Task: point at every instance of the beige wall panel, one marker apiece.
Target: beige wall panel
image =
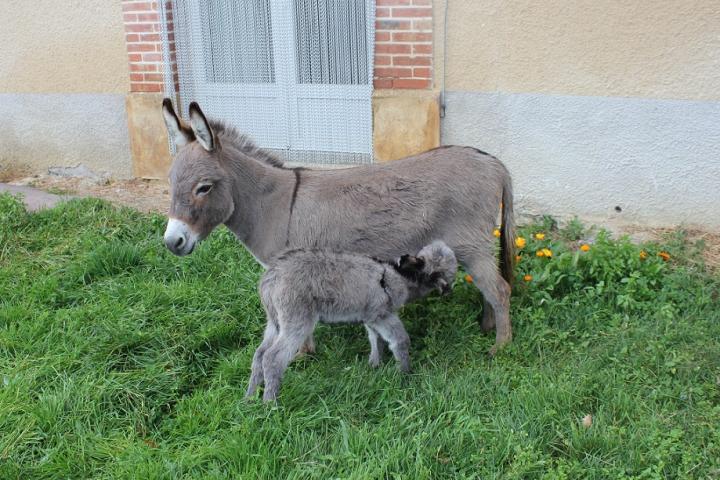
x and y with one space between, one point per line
635 48
51 46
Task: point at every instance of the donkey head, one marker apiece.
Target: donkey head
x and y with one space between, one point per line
439 267
201 195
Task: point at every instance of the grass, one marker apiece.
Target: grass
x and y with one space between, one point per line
118 360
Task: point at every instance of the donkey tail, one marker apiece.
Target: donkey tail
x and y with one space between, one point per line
507 231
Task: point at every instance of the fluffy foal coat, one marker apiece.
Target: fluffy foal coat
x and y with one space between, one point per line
305 287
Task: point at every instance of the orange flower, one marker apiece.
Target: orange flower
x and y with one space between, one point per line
540 253
643 255
547 252
468 279
496 233
664 255
520 242
518 258
539 236
527 278
584 248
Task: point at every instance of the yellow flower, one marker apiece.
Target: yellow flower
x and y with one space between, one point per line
547 252
584 248
527 278
664 255
540 253
520 242
496 233
468 279
539 236
643 255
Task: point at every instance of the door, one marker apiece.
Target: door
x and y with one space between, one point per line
296 75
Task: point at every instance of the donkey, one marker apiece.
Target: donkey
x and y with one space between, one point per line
305 286
455 194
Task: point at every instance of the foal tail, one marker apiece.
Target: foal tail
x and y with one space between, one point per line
507 231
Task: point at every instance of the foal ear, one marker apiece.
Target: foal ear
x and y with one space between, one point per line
410 264
201 128
179 133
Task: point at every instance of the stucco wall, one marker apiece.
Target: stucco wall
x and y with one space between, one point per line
628 48
63 79
592 104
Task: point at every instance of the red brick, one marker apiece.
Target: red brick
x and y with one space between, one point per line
129 17
152 57
411 37
145 87
153 77
411 83
143 67
411 12
393 72
138 6
382 36
149 37
392 3
392 48
421 3
132 37
383 60
148 17
422 25
139 27
422 72
423 48
393 25
136 77
382 12
140 47
383 83
413 61
134 57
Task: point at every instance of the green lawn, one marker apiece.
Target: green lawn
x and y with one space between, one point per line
119 360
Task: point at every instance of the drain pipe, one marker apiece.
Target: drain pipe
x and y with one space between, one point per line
442 91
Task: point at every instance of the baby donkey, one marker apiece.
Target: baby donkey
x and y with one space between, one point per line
304 287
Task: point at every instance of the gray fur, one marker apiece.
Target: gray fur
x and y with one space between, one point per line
304 287
450 193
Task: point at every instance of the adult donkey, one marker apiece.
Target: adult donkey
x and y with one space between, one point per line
450 193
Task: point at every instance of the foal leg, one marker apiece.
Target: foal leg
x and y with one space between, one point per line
393 332
308 346
377 345
276 359
496 293
256 375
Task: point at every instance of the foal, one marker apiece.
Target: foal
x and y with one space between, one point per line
304 287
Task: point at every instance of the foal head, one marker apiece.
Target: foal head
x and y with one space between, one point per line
201 194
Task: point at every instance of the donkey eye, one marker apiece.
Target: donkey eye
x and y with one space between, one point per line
203 189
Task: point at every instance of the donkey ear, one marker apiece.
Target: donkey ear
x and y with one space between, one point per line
179 133
201 128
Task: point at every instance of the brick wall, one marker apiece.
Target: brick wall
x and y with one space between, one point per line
144 45
403 44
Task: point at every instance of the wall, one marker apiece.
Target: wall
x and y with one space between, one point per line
63 76
592 105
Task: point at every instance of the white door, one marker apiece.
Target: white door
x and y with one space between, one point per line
296 75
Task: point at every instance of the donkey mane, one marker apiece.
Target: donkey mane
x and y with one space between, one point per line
228 133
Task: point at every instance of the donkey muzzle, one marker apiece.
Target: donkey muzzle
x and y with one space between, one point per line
179 238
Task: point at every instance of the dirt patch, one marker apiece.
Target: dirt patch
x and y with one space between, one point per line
143 195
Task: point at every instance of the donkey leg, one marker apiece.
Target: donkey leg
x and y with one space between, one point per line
377 345
488 317
308 346
279 355
496 293
256 375
392 330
